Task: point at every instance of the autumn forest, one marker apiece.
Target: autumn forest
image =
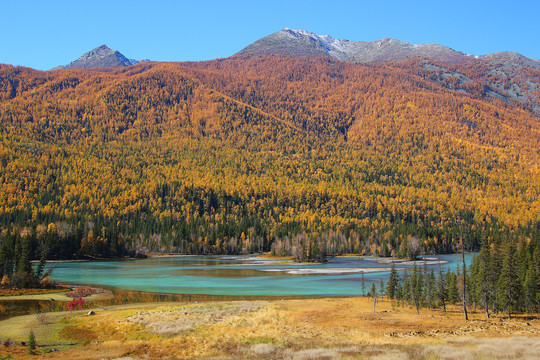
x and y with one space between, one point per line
295 156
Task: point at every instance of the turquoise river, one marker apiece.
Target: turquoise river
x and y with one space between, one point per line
241 275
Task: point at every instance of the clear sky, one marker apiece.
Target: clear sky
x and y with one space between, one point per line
43 34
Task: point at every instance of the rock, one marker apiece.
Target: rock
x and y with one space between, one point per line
91 312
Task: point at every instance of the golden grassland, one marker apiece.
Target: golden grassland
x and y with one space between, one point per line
23 292
44 294
333 328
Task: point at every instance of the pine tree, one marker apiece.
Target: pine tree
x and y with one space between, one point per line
430 289
453 292
464 276
532 289
24 265
495 274
391 286
373 293
3 262
483 277
381 288
407 289
40 268
508 286
399 290
417 287
31 343
442 288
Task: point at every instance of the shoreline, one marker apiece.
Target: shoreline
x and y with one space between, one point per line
59 295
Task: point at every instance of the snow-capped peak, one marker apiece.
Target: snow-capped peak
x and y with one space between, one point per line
330 43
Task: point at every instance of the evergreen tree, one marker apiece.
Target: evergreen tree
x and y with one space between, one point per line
484 275
429 295
532 290
31 342
3 262
40 268
508 286
24 265
407 289
417 287
453 292
399 290
442 288
373 293
381 288
465 281
393 280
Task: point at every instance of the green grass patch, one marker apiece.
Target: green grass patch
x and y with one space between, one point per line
261 340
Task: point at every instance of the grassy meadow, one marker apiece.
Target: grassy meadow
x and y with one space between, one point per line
330 328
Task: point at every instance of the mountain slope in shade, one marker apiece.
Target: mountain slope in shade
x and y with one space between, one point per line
304 43
510 58
100 57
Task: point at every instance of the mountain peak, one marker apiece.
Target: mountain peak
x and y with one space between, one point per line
100 57
297 42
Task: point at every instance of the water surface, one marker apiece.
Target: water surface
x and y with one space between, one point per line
240 275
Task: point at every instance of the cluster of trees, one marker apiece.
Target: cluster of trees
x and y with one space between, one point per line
16 270
499 279
302 157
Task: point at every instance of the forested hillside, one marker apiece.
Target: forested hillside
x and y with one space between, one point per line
297 156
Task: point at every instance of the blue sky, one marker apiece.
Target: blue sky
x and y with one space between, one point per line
43 34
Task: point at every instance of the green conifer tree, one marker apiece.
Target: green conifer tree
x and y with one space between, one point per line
509 286
31 342
391 286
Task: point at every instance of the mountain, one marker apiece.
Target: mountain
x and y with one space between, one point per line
100 57
506 76
303 43
511 59
246 153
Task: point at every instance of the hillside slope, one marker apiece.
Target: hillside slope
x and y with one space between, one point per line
250 154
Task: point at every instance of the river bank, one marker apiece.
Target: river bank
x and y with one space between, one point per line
53 295
330 328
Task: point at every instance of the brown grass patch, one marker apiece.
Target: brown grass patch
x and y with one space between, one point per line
174 321
19 292
342 328
77 334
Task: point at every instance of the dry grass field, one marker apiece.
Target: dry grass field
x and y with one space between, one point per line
335 328
57 295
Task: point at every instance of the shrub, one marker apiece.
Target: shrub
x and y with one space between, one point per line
75 303
31 343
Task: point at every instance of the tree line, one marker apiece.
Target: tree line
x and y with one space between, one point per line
502 278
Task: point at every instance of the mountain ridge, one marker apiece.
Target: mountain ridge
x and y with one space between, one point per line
100 57
297 42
